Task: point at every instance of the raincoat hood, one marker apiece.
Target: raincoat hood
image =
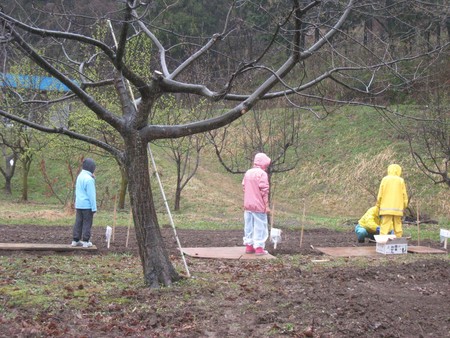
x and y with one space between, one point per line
89 165
394 170
261 161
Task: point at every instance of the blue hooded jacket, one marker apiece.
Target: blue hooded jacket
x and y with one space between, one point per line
85 195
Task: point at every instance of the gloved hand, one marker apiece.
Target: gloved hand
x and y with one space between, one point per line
378 230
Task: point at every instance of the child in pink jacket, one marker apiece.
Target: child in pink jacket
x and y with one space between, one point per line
256 205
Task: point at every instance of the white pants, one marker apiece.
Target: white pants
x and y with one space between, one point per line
255 229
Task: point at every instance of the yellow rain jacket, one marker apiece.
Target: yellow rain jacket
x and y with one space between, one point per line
370 220
392 197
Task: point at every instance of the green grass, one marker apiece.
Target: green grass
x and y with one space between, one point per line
49 280
425 232
53 214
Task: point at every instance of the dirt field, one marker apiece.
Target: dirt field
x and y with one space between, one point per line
302 293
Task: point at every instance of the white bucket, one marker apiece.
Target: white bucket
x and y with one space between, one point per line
275 236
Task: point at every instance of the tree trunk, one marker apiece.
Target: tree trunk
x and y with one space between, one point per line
368 31
447 24
154 258
177 197
8 173
8 190
178 188
123 188
438 34
26 170
25 184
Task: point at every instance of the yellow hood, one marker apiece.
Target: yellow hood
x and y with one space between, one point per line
394 170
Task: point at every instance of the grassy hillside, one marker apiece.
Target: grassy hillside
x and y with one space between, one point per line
343 159
346 156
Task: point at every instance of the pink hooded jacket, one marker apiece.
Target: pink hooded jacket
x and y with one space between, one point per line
256 185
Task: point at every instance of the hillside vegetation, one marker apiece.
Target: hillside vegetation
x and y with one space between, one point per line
343 159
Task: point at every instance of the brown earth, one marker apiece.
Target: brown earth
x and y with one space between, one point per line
303 293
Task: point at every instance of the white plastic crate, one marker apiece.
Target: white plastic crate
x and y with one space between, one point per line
391 245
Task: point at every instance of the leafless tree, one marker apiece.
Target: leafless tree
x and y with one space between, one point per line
186 155
185 151
429 136
277 135
286 62
426 127
429 143
10 159
19 144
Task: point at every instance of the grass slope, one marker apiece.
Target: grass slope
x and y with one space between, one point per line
343 159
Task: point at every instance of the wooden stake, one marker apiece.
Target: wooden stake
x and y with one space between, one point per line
272 212
129 226
114 218
303 224
418 225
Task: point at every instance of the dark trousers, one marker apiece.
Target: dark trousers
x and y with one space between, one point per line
83 225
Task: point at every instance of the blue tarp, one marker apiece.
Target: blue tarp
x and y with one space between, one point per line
43 83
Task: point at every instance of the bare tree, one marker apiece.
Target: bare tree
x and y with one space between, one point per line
429 143
426 124
186 155
429 136
277 135
185 151
10 159
282 65
19 145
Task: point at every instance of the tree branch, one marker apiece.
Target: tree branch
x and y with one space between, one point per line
114 151
85 97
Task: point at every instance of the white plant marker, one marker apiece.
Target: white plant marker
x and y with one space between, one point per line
444 236
108 235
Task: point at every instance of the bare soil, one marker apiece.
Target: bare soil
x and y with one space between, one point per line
300 294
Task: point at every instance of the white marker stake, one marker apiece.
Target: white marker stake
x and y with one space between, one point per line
108 235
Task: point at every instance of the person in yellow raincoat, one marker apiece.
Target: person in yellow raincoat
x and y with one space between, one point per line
368 225
392 200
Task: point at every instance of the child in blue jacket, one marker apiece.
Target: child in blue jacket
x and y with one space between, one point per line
85 204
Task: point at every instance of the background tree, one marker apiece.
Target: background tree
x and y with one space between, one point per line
430 147
282 66
276 134
21 140
9 156
429 137
184 151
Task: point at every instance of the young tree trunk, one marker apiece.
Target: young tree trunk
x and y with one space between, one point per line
177 197
8 173
8 190
154 258
178 188
368 31
123 188
26 170
25 185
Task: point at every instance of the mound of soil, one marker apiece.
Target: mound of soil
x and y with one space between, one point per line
383 296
